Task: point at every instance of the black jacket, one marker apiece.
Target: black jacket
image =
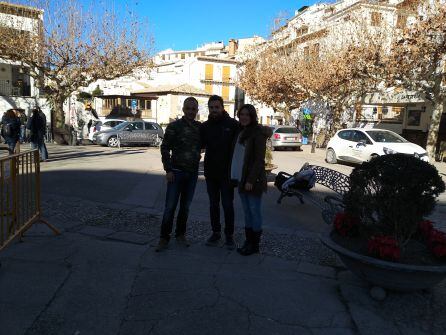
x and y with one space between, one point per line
37 126
218 138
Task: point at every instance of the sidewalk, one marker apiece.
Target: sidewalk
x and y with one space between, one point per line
101 276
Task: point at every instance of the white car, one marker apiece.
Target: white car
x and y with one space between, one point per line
357 145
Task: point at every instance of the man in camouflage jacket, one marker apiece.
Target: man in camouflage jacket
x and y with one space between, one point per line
181 153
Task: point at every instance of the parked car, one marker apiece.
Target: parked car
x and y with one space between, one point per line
285 137
130 133
357 145
103 125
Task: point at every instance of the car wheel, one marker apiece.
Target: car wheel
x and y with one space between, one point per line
112 142
330 156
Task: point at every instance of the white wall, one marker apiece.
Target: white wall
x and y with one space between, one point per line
25 103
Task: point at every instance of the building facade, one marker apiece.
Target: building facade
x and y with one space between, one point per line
315 29
18 89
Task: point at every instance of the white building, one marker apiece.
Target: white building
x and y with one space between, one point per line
17 88
324 26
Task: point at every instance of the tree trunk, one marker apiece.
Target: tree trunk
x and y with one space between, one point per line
60 130
336 121
432 136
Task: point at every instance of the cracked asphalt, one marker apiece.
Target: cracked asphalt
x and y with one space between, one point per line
101 276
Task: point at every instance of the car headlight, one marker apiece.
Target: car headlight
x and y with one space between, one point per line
388 151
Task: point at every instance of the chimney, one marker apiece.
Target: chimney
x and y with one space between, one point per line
233 46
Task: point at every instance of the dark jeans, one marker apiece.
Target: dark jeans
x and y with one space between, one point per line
11 142
183 189
221 188
40 144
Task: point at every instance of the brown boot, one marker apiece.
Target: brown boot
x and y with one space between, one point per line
163 244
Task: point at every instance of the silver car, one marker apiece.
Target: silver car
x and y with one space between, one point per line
285 137
130 133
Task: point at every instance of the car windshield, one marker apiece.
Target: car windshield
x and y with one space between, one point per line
120 126
385 137
287 130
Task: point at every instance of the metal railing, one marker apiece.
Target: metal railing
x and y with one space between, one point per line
20 205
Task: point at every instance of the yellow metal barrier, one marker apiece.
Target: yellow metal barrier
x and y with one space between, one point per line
20 196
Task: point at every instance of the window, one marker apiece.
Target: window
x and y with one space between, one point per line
359 136
183 56
346 135
401 21
135 126
315 53
209 76
376 18
287 130
209 72
301 31
307 53
384 136
148 104
226 74
150 126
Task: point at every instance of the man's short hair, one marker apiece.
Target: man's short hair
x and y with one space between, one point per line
216 98
190 99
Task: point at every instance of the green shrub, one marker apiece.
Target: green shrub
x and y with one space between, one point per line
392 194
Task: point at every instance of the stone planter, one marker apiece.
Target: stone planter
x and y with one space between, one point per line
388 275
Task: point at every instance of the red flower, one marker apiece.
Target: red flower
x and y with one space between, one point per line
346 225
439 251
384 247
437 243
425 228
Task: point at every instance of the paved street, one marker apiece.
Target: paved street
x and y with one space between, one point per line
101 275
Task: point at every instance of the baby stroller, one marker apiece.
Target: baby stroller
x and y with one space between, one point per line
293 185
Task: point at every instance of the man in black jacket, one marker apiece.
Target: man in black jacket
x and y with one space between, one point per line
218 135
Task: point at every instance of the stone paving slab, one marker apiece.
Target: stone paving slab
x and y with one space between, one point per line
211 290
96 231
25 289
130 237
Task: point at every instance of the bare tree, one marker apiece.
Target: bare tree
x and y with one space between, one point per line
419 60
72 45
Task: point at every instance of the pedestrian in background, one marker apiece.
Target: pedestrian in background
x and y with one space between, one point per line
181 153
37 128
218 135
248 169
10 129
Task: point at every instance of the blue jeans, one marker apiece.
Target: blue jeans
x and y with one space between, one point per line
182 189
11 142
40 144
252 205
22 134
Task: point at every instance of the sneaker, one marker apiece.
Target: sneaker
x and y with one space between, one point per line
230 243
162 245
214 240
182 240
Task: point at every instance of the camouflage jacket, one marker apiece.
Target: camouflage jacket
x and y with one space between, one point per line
181 147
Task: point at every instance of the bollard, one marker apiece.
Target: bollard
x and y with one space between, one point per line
313 147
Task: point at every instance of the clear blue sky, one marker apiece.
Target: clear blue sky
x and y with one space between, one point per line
188 24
